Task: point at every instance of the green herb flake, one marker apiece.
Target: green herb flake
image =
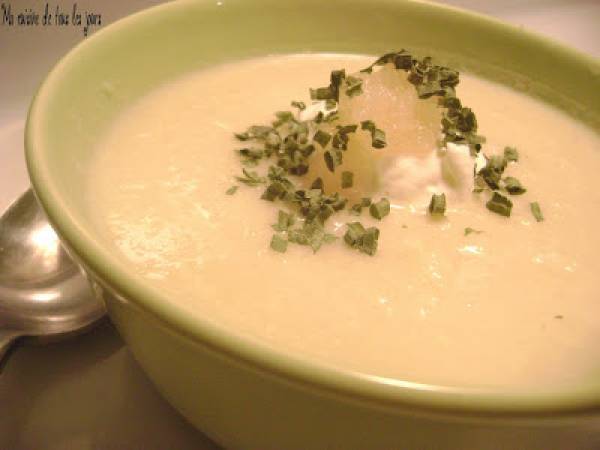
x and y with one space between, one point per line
251 178
354 233
369 241
378 139
242 136
329 162
278 243
333 158
317 241
437 205
429 89
511 154
331 117
355 209
301 106
272 142
380 209
336 78
250 156
317 184
322 93
259 131
311 234
345 129
513 186
283 117
377 135
491 173
322 137
347 179
284 221
340 138
232 190
330 104
364 240
353 86
536 211
499 204
368 125
470 230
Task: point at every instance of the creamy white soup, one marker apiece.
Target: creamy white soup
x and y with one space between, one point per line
514 303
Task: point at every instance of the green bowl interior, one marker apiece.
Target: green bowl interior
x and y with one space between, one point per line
107 72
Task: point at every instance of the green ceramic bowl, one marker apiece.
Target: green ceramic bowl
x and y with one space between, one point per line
240 394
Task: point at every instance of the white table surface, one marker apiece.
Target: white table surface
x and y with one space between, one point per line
89 393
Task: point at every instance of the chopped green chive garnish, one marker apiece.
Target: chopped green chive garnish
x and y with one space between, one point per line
331 117
378 139
330 160
499 204
284 221
317 184
259 131
470 230
437 205
311 234
347 179
511 154
322 138
377 135
356 209
322 93
289 142
300 105
331 92
492 171
330 104
336 78
353 86
380 209
513 186
369 241
251 156
278 243
536 211
340 138
242 136
282 117
354 233
251 178
364 240
367 125
275 190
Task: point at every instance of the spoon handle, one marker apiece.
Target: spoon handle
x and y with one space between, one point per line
7 337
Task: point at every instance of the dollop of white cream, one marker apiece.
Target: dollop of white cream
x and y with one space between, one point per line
447 170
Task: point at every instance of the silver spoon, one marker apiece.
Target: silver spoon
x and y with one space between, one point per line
43 294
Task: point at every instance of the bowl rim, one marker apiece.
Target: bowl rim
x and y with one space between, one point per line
583 399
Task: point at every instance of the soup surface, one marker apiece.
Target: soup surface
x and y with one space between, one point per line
515 305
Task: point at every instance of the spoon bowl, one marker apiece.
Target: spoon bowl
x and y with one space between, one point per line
43 293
